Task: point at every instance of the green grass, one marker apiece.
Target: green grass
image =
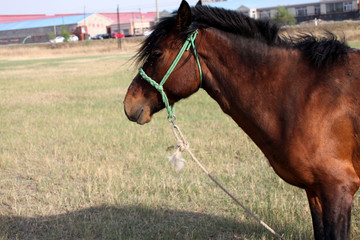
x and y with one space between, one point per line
73 167
354 44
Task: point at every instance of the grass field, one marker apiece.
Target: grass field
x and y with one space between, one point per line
73 167
355 44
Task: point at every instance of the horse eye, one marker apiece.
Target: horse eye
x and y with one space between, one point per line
157 53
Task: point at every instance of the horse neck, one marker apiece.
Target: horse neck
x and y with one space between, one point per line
245 78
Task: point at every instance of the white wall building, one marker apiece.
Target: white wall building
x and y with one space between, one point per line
309 10
325 9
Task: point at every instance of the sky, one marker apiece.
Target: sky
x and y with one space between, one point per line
51 7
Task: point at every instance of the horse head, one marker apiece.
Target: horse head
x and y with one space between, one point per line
158 54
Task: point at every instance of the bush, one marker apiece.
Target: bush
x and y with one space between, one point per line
283 17
65 33
51 35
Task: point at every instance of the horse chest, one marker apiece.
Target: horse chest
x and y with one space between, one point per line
290 172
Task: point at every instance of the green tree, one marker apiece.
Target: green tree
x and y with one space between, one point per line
51 35
65 33
283 17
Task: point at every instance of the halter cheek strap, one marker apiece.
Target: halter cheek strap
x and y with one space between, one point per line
190 42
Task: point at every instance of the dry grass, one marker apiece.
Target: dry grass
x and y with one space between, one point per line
86 48
348 30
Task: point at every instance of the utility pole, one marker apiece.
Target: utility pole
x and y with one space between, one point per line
119 30
84 15
133 24
157 11
142 28
83 29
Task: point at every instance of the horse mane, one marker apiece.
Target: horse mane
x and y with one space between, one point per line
319 52
234 22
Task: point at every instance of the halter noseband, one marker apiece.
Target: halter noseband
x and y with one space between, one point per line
190 42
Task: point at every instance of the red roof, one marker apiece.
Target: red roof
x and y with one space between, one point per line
124 17
20 18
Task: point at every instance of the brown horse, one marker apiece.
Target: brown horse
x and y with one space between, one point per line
297 99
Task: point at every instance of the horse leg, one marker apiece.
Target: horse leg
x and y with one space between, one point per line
316 214
331 212
337 213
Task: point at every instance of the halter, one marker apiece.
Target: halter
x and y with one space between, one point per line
190 42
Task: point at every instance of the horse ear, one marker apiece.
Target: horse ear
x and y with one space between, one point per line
199 3
183 18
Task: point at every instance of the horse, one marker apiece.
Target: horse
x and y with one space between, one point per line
297 98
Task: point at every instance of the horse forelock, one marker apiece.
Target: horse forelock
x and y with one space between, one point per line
159 30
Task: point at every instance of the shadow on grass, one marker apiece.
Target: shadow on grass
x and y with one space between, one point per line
131 222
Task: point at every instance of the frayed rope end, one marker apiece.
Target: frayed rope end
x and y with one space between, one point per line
177 160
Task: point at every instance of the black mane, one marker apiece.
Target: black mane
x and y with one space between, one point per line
234 22
319 51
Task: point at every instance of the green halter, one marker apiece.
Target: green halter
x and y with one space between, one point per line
190 42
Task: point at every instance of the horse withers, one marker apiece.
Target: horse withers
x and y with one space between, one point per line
297 99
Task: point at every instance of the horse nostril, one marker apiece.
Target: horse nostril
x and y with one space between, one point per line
134 116
140 112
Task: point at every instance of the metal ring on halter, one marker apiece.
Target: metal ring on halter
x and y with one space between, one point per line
172 119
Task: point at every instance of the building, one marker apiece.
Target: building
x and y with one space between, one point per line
39 30
131 24
335 10
35 28
95 24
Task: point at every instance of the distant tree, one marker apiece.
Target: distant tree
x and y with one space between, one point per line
65 33
283 17
51 35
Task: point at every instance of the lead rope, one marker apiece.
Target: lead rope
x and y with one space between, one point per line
183 145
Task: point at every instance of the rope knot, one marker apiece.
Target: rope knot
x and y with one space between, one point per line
183 145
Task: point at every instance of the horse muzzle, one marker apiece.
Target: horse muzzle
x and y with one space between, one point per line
136 111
